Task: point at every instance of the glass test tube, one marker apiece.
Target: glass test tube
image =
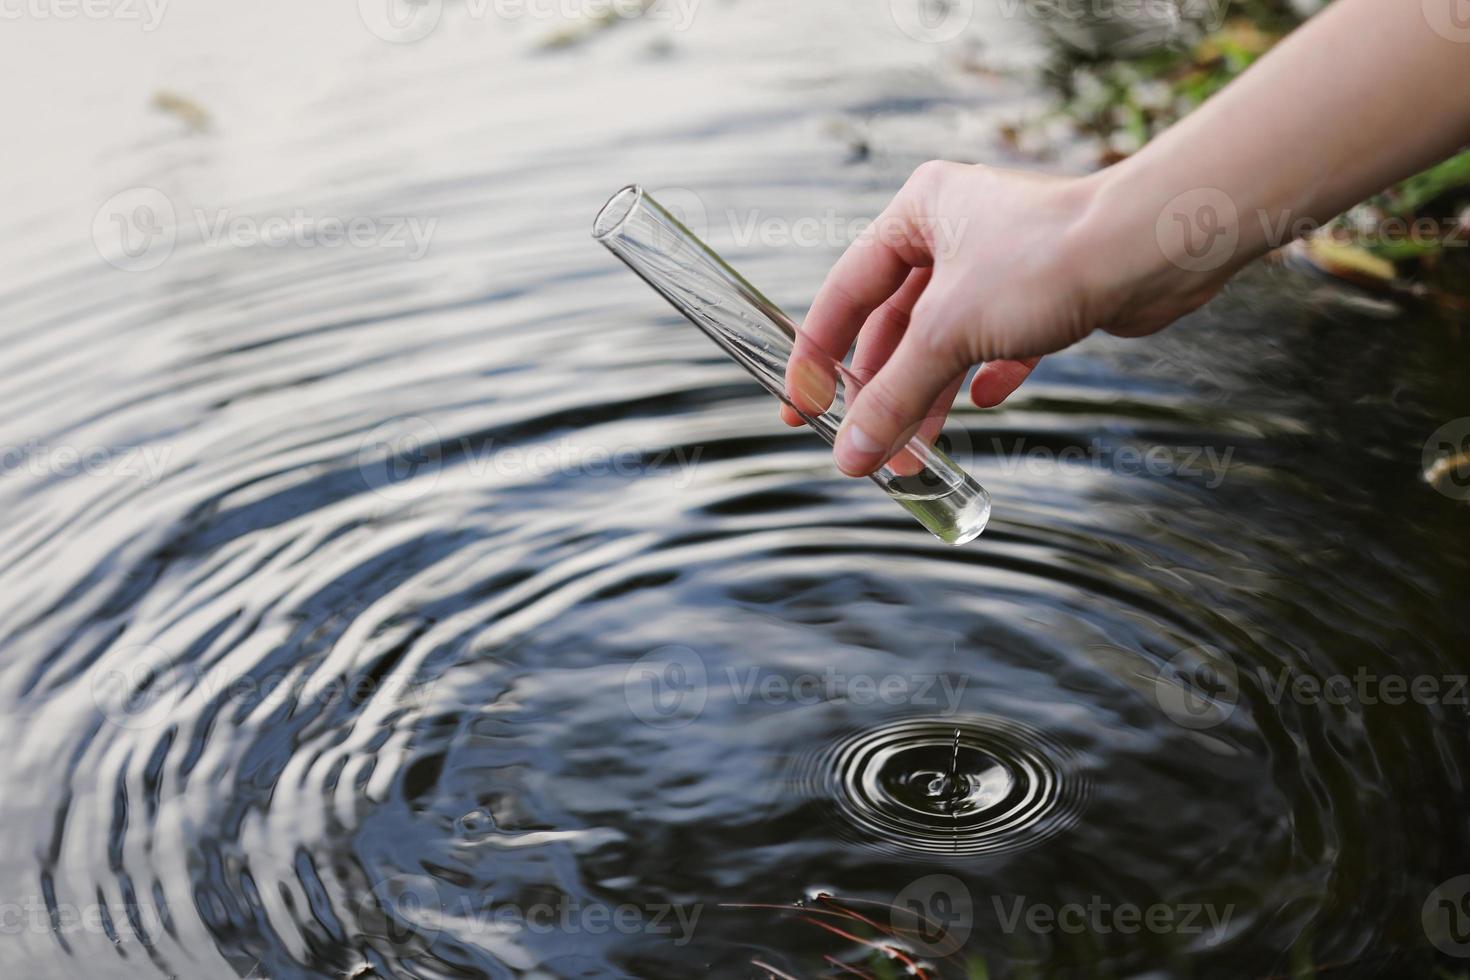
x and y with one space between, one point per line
753 331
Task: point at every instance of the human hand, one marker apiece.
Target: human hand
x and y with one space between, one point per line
968 265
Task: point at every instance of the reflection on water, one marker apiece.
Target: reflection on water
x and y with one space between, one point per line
468 615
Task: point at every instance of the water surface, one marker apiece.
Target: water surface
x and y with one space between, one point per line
465 614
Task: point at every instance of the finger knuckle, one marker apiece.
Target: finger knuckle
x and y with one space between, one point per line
934 345
929 174
879 405
939 347
890 318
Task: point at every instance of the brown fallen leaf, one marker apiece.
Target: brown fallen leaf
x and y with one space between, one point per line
1346 261
194 116
1448 468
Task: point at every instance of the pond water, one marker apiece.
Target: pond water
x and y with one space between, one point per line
438 604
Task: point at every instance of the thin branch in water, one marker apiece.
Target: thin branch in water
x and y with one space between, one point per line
775 973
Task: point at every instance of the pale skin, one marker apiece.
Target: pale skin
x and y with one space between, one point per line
973 265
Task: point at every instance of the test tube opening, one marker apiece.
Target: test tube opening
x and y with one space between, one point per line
616 211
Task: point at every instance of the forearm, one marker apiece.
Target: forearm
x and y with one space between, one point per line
1366 93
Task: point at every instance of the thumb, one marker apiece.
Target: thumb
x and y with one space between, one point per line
902 396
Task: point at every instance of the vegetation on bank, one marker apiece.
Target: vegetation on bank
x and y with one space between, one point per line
1412 240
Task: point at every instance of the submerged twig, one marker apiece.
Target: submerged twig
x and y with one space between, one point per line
779 975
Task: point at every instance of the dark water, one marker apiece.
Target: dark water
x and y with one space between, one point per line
469 616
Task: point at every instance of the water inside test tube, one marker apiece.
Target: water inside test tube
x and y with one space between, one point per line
942 512
943 498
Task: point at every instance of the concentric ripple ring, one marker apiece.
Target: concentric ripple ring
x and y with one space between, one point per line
969 786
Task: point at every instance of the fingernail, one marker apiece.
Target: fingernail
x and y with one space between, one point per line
812 388
856 452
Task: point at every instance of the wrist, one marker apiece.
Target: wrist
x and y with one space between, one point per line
1152 247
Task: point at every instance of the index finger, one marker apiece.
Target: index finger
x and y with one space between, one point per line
869 272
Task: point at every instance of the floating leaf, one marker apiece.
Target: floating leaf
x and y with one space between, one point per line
1448 470
1347 261
193 115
